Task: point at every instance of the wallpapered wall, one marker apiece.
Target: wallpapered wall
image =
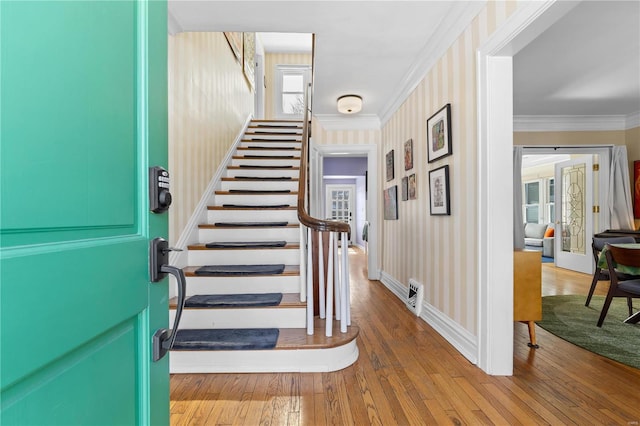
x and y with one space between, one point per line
209 100
439 251
270 62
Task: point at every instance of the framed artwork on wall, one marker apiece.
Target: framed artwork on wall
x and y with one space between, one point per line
248 57
439 134
391 203
235 43
405 188
408 154
389 159
413 193
439 197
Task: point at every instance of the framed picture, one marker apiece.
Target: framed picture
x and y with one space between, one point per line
408 154
391 203
248 57
636 189
439 134
389 165
405 188
413 194
439 203
235 43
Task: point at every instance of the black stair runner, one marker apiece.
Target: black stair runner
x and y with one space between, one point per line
250 244
250 166
226 339
273 148
279 157
233 300
246 206
260 191
222 270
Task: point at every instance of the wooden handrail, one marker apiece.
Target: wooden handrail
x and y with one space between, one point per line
304 217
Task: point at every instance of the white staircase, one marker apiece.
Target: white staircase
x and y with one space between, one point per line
256 203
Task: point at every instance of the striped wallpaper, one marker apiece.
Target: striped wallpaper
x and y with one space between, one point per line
209 100
438 251
271 60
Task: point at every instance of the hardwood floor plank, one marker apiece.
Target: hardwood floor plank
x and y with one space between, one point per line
408 374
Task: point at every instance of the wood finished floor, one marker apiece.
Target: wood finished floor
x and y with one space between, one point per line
408 375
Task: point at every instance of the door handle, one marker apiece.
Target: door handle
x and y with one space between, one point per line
163 338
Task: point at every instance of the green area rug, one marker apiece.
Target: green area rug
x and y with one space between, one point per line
569 319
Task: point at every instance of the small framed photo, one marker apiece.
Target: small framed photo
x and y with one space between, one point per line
405 188
413 194
439 199
408 154
389 165
391 203
439 134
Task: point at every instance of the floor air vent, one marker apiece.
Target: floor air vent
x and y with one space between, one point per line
414 296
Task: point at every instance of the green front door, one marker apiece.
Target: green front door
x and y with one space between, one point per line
83 114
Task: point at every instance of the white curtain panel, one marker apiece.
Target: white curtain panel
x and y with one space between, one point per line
518 228
620 190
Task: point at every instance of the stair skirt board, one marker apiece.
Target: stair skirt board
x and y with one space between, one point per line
226 339
217 270
276 361
245 244
221 284
233 300
258 317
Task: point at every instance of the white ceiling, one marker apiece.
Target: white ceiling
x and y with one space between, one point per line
586 64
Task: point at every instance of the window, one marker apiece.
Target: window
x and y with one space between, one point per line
291 81
532 201
551 208
538 202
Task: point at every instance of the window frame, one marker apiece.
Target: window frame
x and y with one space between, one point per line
281 71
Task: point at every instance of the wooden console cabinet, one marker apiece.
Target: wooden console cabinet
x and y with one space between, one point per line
527 290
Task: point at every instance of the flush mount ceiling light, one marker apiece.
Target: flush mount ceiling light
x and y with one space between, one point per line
349 104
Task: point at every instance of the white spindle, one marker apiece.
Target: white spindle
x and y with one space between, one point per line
347 281
336 275
303 265
309 286
330 276
345 284
321 300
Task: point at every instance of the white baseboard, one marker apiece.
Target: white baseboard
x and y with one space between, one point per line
464 342
190 233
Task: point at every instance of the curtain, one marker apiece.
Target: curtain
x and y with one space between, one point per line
518 228
620 190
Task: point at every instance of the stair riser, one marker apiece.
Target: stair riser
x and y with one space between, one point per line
272 144
290 216
241 318
274 129
292 360
290 235
273 137
244 257
265 162
269 152
285 185
256 199
246 284
263 173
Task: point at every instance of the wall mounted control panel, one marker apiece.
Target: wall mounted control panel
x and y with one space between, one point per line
159 195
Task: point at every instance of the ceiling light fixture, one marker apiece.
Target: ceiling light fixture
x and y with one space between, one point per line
349 104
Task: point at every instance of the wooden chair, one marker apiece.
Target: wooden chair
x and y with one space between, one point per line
603 274
629 288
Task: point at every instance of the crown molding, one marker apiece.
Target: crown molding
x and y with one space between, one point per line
173 26
574 123
352 122
457 20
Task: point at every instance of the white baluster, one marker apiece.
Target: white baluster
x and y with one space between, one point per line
321 287
330 275
347 281
344 321
303 265
336 276
309 286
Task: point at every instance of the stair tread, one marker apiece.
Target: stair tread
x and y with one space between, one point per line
250 167
289 300
268 148
227 207
262 140
214 226
289 270
265 157
202 246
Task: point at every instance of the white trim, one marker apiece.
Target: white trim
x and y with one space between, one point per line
460 338
279 72
189 234
173 26
495 178
458 18
579 123
371 151
352 122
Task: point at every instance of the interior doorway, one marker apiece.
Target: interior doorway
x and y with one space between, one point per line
340 204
